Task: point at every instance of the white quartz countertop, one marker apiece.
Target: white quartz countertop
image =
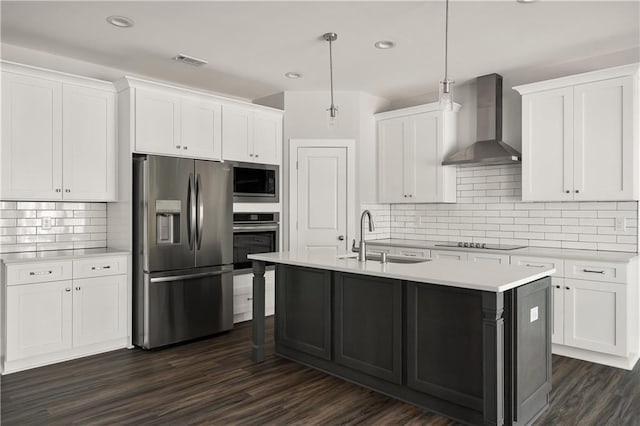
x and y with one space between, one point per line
475 276
38 256
607 256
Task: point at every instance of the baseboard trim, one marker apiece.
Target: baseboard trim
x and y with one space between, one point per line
54 358
626 363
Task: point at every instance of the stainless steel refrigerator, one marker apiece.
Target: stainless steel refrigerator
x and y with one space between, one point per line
183 242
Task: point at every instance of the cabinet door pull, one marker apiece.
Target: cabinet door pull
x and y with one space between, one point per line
250 155
568 288
67 289
78 288
184 147
177 146
534 266
567 191
257 156
410 254
557 286
592 271
97 268
41 273
577 191
249 298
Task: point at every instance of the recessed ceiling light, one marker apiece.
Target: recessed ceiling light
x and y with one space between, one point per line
120 21
293 75
384 44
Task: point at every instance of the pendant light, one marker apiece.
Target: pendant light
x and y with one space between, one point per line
333 110
445 95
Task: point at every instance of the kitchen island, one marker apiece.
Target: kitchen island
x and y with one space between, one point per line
468 341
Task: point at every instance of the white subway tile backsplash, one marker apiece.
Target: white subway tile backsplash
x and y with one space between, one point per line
7 222
7 205
489 209
74 225
29 205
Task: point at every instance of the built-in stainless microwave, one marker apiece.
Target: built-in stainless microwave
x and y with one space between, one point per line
255 183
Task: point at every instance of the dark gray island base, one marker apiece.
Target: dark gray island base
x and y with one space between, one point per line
476 356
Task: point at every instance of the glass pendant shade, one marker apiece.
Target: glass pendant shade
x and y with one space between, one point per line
445 95
332 116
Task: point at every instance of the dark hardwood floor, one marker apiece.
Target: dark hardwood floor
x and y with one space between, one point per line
214 382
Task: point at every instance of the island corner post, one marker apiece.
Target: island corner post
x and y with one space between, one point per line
257 323
513 355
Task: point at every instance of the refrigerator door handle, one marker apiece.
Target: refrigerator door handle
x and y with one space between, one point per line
200 213
191 219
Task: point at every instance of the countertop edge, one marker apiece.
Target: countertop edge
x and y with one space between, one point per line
398 276
572 254
59 255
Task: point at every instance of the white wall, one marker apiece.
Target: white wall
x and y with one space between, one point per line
306 118
464 93
38 58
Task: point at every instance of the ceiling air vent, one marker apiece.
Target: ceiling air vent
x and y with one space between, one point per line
190 60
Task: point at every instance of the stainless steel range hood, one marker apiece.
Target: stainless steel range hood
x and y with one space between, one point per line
490 150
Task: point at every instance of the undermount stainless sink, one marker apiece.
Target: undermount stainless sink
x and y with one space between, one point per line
390 259
394 259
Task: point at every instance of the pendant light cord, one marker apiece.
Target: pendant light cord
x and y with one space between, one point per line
446 40
331 70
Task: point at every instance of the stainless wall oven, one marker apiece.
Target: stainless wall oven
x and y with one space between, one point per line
255 183
254 233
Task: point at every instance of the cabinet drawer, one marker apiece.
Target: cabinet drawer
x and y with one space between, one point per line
99 266
448 255
38 272
413 252
540 262
596 271
500 259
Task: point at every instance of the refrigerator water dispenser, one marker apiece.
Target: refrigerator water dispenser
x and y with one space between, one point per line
168 221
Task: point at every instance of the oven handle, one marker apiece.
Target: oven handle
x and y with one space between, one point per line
257 228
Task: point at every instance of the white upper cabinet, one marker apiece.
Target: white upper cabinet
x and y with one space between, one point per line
604 147
267 137
547 145
31 148
411 145
58 136
580 137
89 151
178 122
201 129
251 136
237 134
157 122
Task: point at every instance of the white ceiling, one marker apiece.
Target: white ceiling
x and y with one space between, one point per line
250 45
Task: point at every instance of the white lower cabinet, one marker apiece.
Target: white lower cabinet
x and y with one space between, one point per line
595 304
595 316
53 321
243 295
99 309
557 311
39 318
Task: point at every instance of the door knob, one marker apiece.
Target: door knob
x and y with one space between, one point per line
341 237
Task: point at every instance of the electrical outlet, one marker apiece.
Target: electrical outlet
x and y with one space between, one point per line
46 223
533 314
621 224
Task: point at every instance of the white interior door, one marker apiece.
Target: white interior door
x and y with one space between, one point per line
322 211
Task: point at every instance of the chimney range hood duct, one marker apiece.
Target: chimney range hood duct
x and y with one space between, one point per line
490 150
